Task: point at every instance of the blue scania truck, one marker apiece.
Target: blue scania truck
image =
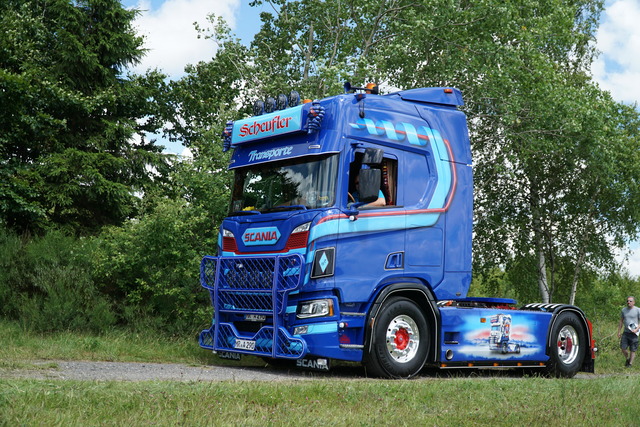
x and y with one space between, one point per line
349 238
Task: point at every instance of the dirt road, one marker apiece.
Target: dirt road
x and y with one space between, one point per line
120 371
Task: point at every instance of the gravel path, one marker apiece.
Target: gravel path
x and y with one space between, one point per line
131 371
119 371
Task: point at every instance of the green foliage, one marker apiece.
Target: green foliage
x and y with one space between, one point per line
45 286
555 158
143 275
150 266
118 344
68 116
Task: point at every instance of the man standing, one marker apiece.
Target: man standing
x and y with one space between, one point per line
628 330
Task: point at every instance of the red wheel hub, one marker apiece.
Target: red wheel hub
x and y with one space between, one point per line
401 339
565 344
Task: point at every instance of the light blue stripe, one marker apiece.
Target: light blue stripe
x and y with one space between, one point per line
443 168
371 224
322 328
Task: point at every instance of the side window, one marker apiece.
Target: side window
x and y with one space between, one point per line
387 187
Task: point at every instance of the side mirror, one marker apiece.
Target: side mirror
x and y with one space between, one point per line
370 184
372 156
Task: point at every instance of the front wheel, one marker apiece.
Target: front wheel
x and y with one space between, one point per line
400 340
566 347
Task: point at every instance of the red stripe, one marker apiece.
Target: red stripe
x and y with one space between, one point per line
416 211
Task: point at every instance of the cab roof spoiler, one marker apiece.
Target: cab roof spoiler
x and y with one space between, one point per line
432 95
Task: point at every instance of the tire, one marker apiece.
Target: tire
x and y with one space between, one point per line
566 346
400 340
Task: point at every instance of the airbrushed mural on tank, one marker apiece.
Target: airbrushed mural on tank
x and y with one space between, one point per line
494 336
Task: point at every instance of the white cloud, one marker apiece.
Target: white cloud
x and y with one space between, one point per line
617 70
618 67
170 36
633 264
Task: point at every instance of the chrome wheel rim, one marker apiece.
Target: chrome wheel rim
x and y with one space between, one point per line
568 344
403 339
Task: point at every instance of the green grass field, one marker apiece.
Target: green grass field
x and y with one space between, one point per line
466 399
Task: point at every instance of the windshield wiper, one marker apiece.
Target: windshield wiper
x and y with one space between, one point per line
287 208
242 213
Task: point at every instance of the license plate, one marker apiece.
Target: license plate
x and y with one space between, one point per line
255 317
245 345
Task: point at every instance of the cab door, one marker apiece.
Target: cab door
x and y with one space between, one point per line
370 244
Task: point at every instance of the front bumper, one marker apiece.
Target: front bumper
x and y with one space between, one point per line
252 286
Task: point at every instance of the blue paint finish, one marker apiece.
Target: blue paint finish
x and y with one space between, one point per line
422 149
422 242
321 328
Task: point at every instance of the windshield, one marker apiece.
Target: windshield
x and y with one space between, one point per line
293 184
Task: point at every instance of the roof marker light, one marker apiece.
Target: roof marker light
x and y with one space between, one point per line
372 88
269 105
258 108
282 102
294 99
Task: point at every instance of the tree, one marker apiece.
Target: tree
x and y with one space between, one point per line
315 46
554 155
69 117
197 109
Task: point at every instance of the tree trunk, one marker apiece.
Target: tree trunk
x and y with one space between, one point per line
576 275
307 57
543 285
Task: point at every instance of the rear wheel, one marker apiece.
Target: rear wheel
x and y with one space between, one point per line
566 348
400 340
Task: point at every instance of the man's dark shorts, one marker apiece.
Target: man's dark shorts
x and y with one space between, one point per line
629 340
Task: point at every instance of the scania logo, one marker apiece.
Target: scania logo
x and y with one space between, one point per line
261 236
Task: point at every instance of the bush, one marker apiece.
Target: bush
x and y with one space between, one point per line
150 266
143 275
45 286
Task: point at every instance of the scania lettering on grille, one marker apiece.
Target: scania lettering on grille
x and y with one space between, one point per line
261 236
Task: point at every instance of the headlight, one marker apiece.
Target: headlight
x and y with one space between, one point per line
315 308
301 228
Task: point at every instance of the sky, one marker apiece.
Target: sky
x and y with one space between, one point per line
172 43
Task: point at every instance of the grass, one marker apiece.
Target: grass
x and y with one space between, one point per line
117 345
458 400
